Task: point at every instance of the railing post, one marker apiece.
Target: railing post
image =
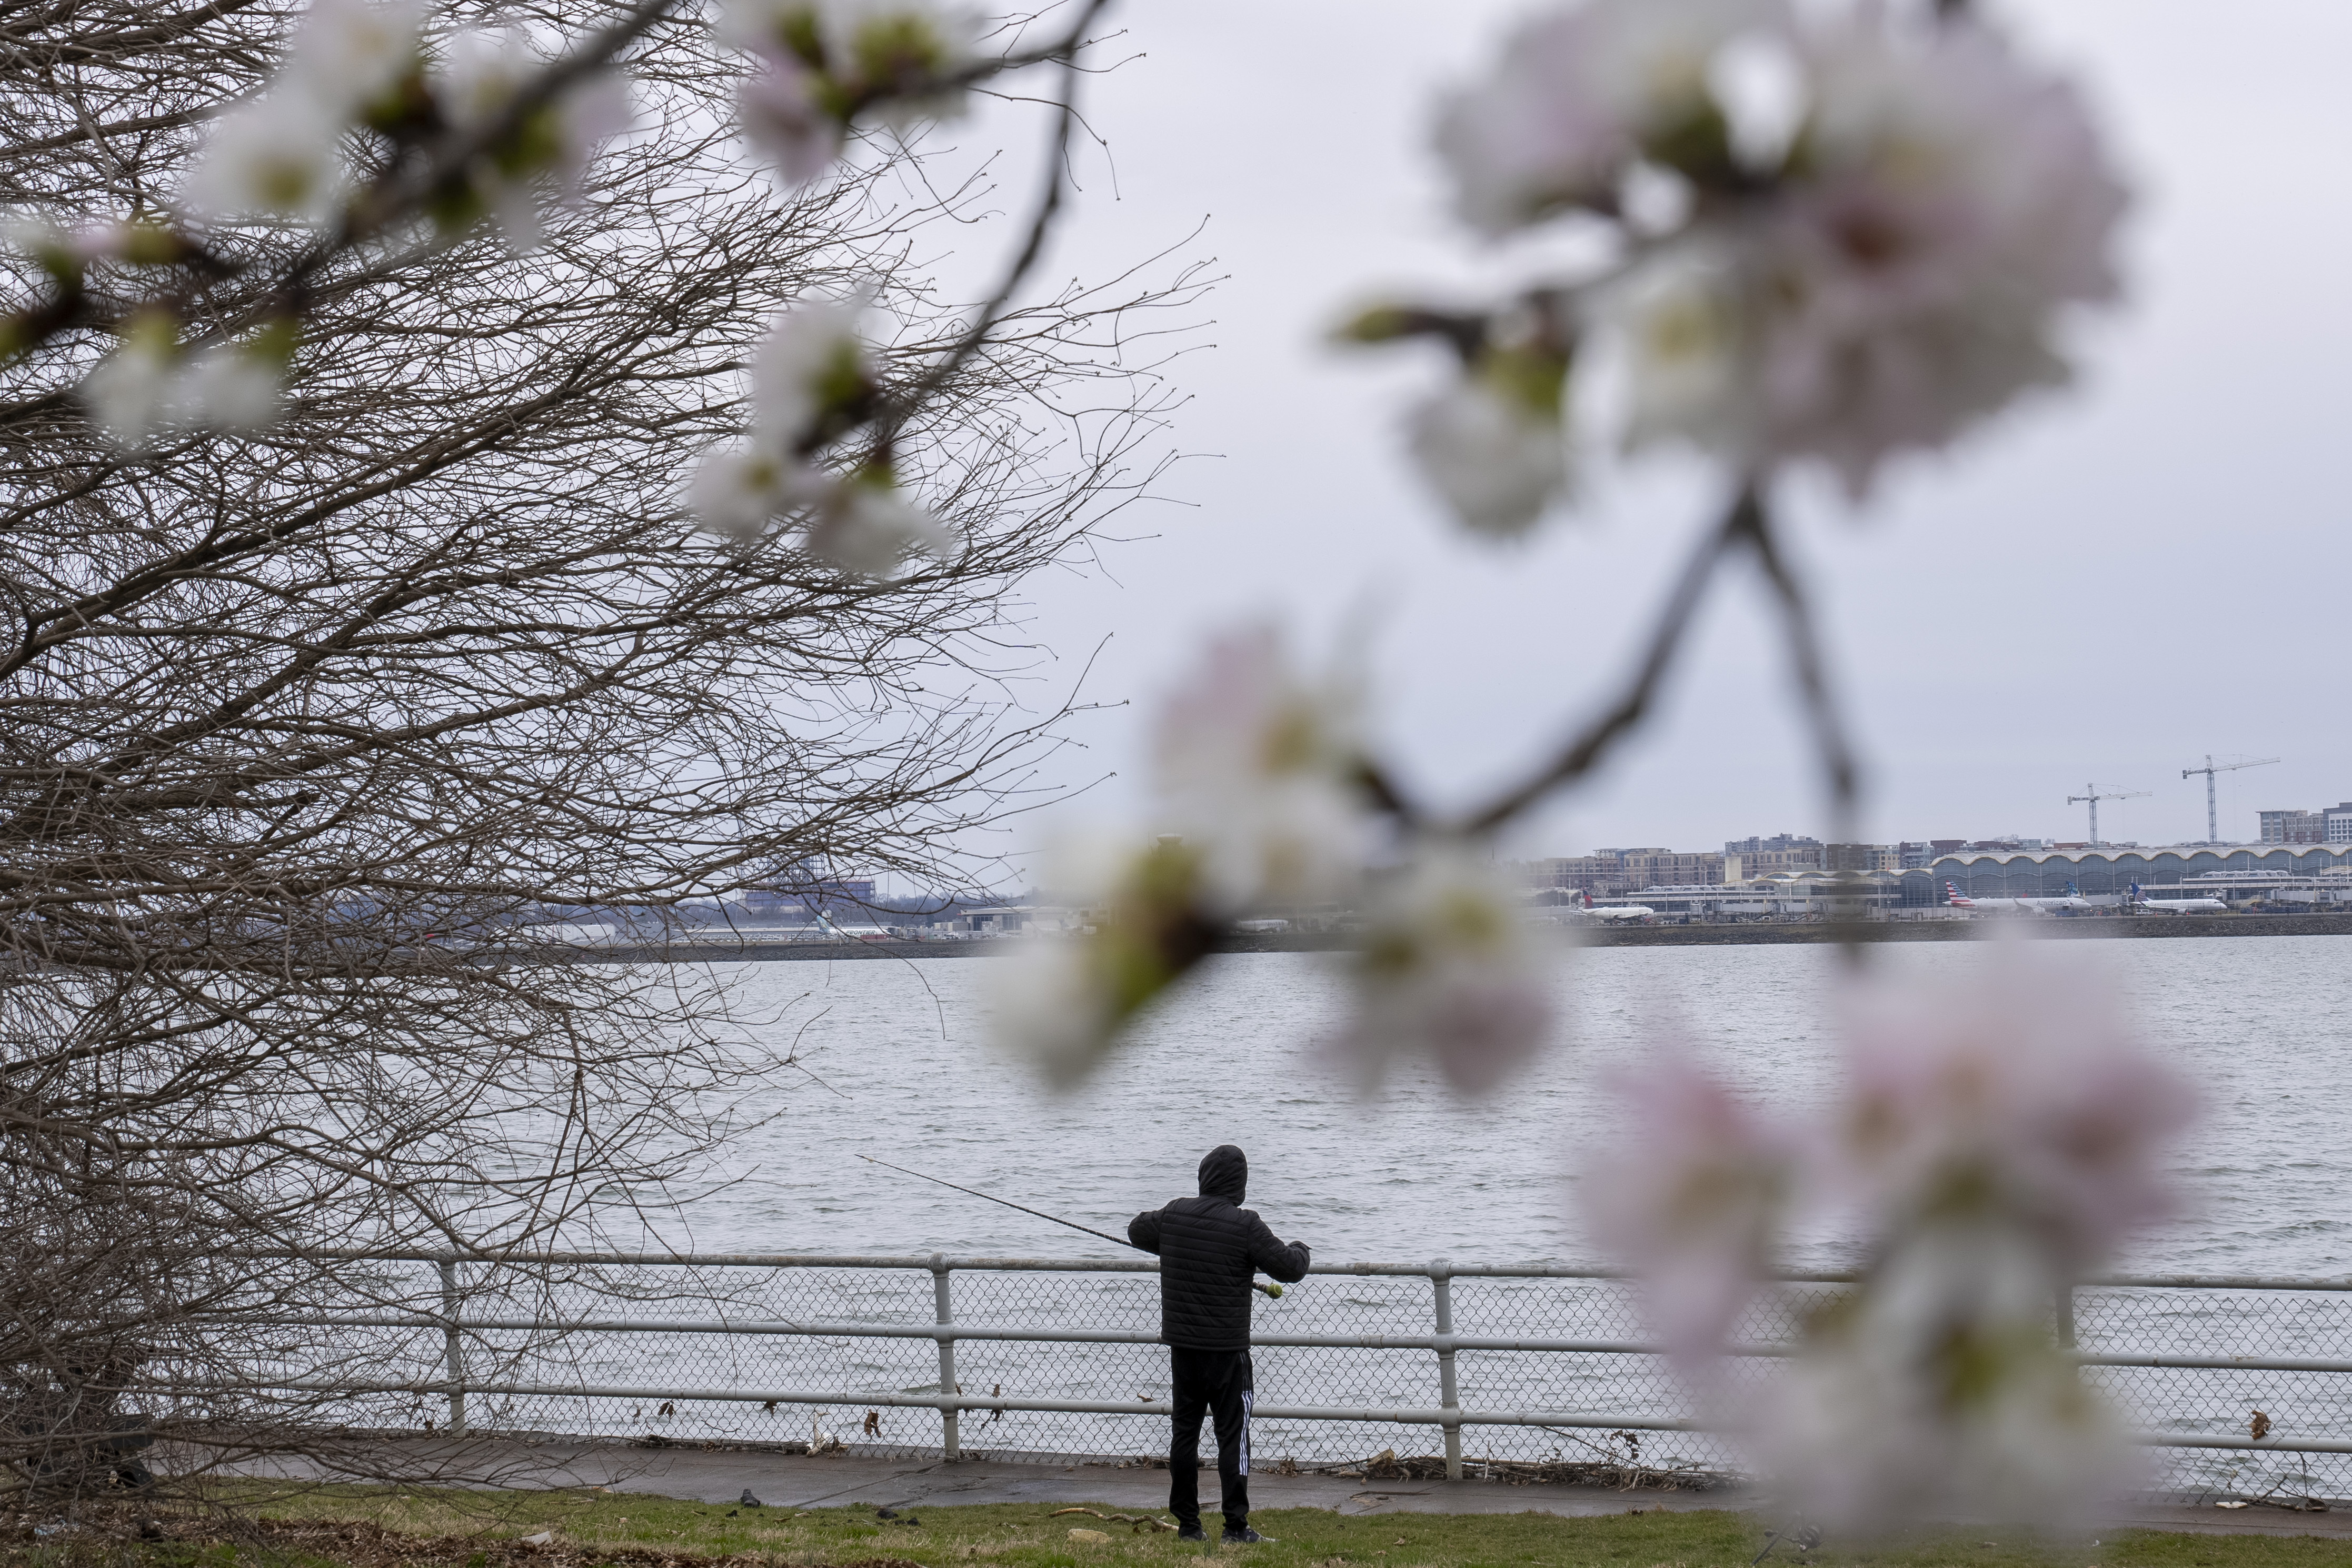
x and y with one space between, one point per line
454 1347
2066 1314
1440 1276
950 1440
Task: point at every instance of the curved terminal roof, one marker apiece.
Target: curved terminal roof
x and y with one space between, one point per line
2242 857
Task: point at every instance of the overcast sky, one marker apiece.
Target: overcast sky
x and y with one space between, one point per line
2106 585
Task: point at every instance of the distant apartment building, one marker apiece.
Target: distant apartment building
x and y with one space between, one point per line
1862 857
2302 827
1780 854
1668 868
1614 871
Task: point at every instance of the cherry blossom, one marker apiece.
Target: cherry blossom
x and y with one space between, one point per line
279 154
1938 1389
1846 234
823 62
812 365
1497 460
479 76
347 55
1062 1001
866 526
129 392
739 491
1690 1196
1999 1137
1950 201
1255 768
781 108
2027 1101
1581 95
1449 970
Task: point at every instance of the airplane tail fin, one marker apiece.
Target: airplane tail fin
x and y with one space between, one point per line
1951 893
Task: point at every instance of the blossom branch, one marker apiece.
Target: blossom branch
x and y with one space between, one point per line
398 194
1743 520
1811 672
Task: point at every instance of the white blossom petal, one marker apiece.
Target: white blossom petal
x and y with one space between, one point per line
813 362
1941 1392
1904 279
1255 768
1495 461
738 492
128 392
278 154
346 54
1049 1004
868 528
1576 95
779 110
1691 1196
2027 1095
1449 971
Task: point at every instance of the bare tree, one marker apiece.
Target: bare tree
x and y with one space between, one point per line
302 733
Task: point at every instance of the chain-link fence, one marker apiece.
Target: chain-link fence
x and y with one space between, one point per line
2238 1387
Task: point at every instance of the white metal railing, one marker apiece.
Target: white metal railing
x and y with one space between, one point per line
2168 1338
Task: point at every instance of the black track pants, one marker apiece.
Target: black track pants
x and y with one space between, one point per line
1219 1383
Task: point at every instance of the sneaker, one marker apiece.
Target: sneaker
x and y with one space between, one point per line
1191 1533
1246 1536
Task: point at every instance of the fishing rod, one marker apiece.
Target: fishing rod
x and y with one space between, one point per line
1273 1291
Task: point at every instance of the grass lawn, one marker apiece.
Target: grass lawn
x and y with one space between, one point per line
356 1528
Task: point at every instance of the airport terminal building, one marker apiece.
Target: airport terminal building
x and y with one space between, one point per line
2111 869
2318 875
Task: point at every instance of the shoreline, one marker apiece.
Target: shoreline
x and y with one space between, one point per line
746 948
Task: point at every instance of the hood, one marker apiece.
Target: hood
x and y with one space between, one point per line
1225 1173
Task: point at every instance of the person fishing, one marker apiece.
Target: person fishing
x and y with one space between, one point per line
1208 1248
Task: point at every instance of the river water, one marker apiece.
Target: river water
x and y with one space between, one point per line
897 1062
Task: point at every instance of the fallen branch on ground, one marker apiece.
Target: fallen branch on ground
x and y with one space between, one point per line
1138 1520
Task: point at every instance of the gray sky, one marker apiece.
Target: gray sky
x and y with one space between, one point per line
2105 585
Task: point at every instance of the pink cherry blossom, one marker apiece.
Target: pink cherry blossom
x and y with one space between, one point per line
1690 1196
1254 763
1449 971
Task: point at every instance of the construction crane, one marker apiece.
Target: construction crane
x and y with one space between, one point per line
2213 817
2095 796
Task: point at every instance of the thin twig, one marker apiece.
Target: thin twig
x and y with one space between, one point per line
1821 712
1745 517
895 412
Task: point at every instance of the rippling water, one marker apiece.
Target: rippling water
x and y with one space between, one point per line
899 1065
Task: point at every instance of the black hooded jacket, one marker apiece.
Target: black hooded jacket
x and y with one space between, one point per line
1209 1245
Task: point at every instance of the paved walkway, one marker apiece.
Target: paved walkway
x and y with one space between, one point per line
837 1480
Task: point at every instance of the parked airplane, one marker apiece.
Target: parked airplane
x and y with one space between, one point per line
2177 905
1616 912
2074 901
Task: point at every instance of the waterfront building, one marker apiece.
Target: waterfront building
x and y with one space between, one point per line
2294 827
1862 857
1614 870
1782 853
2111 869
